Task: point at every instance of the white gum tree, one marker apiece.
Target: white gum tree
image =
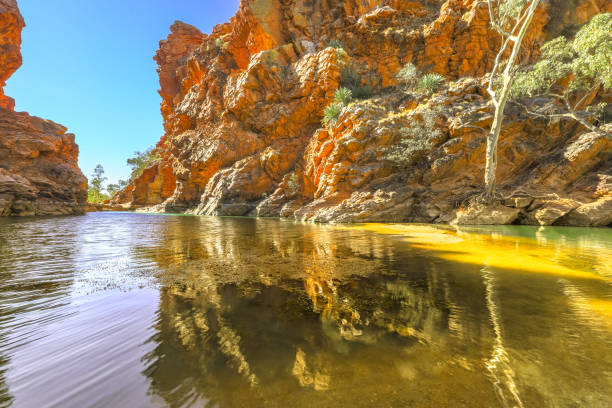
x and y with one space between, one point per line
511 19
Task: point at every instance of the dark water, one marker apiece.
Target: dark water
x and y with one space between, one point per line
128 310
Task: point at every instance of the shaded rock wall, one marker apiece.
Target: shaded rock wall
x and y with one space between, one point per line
242 110
39 173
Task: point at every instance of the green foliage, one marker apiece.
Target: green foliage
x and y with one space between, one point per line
408 75
585 61
362 92
599 111
141 161
96 185
593 46
219 43
570 70
294 183
97 178
113 189
341 54
430 83
343 96
95 198
331 114
349 78
512 8
337 44
415 140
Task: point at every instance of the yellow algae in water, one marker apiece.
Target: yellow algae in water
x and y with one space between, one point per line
494 250
414 233
603 307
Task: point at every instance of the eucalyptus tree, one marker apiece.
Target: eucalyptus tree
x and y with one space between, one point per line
570 74
112 189
96 185
511 20
141 161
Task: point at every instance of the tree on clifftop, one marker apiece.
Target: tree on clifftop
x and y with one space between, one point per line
141 161
511 19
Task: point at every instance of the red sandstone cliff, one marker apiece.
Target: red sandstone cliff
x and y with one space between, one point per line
39 173
242 110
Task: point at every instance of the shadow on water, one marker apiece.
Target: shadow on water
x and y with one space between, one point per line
254 312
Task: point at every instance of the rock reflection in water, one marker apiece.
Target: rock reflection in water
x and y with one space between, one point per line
247 313
325 317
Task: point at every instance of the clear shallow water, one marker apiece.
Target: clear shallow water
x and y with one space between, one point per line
129 310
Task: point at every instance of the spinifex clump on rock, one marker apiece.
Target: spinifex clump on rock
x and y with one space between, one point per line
39 172
242 109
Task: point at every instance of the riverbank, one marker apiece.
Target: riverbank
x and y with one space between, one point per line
516 211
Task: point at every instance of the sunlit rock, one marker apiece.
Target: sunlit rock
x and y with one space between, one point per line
242 109
39 172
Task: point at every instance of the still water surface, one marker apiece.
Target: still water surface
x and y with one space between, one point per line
129 310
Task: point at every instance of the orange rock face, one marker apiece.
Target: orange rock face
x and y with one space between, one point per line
242 109
11 24
39 172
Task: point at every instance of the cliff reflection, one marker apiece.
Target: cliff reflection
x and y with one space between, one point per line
303 315
256 312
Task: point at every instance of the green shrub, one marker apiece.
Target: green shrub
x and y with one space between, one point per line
294 183
408 75
349 78
362 92
219 43
94 197
343 96
415 140
337 44
430 83
331 114
340 51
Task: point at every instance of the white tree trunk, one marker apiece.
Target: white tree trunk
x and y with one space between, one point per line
492 142
500 97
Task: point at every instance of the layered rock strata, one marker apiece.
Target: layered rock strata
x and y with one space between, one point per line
39 173
242 109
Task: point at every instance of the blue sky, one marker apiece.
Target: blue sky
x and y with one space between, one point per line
88 65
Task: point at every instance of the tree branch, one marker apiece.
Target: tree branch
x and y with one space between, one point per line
595 88
570 114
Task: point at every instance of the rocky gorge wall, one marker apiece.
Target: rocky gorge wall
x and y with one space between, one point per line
242 111
39 172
